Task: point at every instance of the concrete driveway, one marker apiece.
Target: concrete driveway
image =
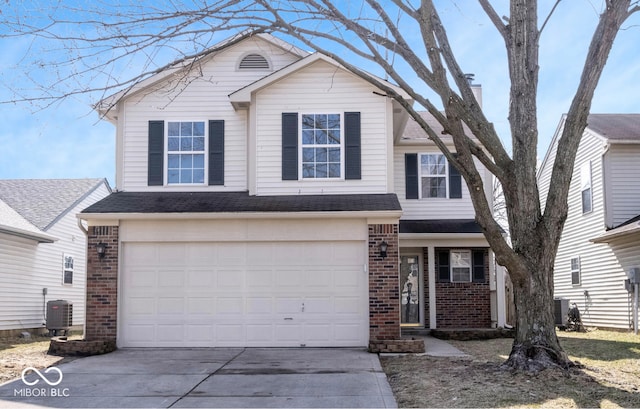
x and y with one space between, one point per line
209 378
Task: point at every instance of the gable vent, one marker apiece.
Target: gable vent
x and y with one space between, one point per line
254 62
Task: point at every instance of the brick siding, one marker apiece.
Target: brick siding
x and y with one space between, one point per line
102 284
460 305
384 301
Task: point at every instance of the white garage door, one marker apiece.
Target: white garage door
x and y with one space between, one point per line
243 294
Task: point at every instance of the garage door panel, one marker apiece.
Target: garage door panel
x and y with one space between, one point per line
173 279
287 278
229 306
260 279
259 334
200 306
243 294
259 306
171 306
230 279
200 278
229 334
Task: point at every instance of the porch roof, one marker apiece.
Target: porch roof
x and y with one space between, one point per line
439 226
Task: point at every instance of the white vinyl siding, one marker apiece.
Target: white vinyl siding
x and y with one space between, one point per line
431 209
27 267
601 297
321 88
623 183
205 97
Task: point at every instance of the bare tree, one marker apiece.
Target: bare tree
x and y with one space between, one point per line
103 41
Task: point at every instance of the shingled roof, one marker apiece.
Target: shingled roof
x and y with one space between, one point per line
43 201
239 202
616 127
440 226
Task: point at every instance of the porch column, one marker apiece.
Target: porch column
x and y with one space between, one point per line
431 271
500 291
102 284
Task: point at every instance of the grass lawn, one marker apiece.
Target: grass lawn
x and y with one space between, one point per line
609 378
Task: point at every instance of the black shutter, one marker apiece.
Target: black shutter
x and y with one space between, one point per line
411 175
155 164
289 146
444 272
455 182
352 157
216 152
478 266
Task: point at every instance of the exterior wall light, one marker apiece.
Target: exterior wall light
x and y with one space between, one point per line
383 249
101 248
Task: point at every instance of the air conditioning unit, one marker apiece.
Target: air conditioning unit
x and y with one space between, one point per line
561 311
59 316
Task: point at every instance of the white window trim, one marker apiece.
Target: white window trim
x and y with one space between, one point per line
586 182
65 269
451 266
578 270
420 176
167 152
341 145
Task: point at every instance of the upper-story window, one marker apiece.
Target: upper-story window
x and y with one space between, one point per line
585 187
430 175
186 152
433 175
254 61
321 146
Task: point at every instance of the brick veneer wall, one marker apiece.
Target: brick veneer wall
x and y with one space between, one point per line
384 279
102 284
460 305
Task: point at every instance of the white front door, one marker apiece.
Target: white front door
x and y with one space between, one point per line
244 294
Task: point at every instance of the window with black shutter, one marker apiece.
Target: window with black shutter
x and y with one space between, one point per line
155 164
289 146
216 152
444 273
479 266
411 175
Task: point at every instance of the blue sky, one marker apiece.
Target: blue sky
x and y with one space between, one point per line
68 140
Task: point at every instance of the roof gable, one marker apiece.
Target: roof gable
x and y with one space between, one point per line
11 222
242 97
105 106
614 128
42 202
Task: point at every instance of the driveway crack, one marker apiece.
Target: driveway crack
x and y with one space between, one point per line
207 377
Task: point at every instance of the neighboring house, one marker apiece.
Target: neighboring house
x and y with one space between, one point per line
270 198
42 247
600 243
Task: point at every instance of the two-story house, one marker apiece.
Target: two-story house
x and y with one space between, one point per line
267 196
600 243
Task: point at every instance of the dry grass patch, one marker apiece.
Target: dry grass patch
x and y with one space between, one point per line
16 354
610 376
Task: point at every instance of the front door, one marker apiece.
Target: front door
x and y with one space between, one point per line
411 289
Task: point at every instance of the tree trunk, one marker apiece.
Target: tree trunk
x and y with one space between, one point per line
536 346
